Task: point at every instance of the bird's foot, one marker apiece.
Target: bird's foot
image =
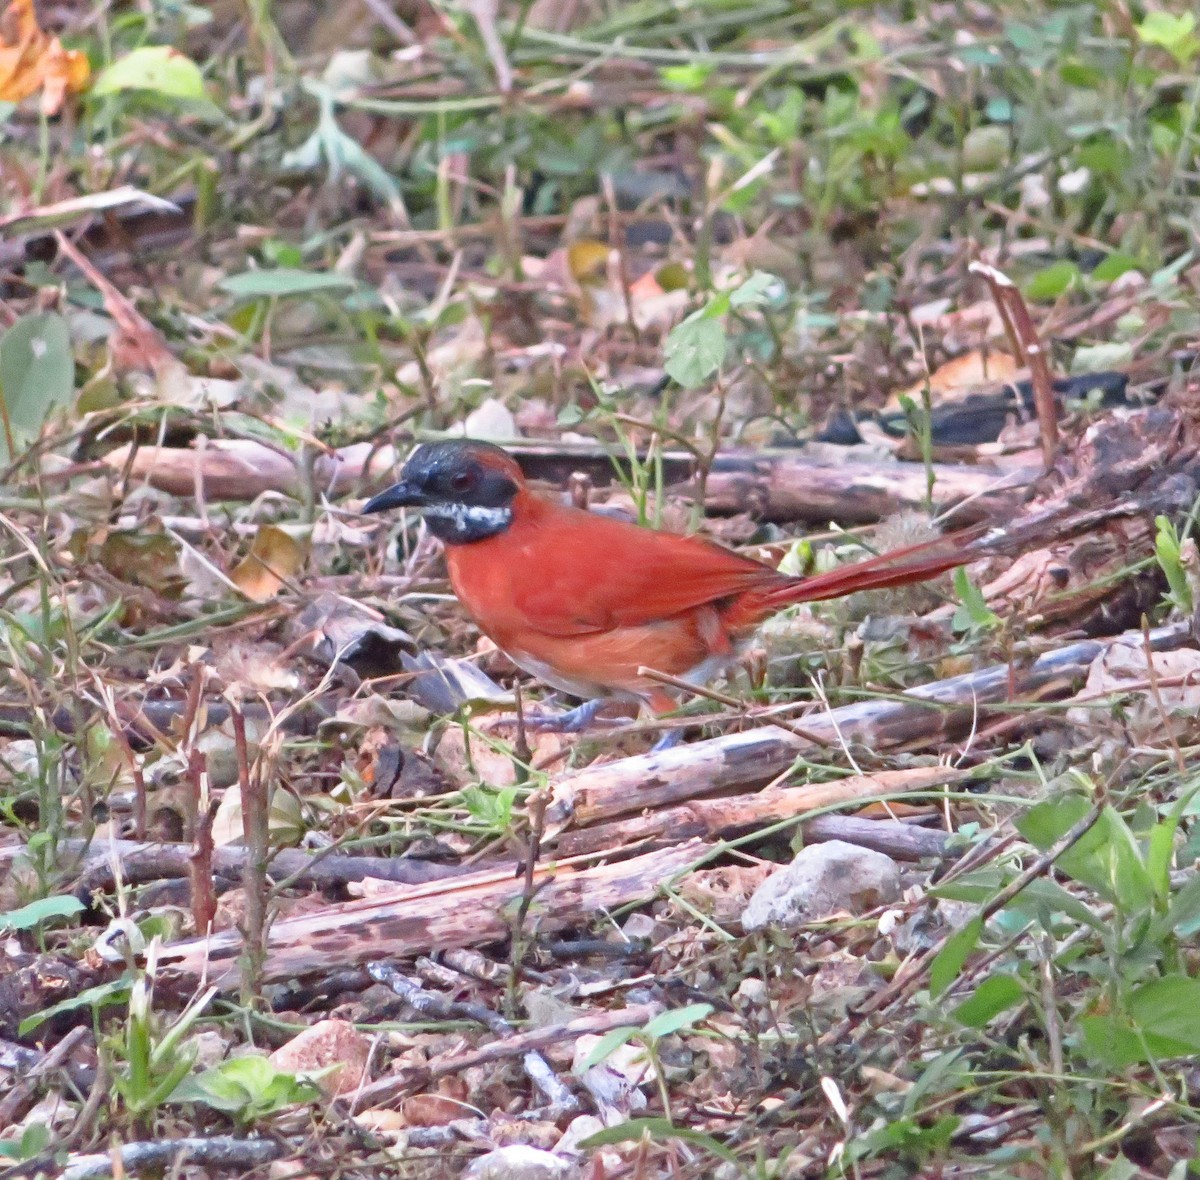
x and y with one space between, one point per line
572 721
670 739
569 721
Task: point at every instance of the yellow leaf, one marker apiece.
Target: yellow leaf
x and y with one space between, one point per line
587 260
274 557
673 276
31 60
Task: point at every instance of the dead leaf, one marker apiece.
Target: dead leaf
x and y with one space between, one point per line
335 629
258 667
31 60
378 712
147 558
382 1121
285 821
444 686
484 762
83 208
492 420
434 1110
1161 697
274 558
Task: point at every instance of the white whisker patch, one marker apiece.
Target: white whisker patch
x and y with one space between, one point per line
466 522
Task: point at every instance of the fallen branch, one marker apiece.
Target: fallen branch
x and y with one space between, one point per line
894 838
938 712
468 912
142 862
222 1152
735 813
241 469
788 485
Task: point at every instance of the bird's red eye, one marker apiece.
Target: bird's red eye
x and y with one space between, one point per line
462 481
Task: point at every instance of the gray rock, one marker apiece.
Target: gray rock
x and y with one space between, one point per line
824 879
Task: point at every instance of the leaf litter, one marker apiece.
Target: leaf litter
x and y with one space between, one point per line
713 268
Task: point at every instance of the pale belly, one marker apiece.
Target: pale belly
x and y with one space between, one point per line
583 689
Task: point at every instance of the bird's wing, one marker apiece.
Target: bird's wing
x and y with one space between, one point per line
584 572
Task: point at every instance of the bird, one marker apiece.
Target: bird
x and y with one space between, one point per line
586 602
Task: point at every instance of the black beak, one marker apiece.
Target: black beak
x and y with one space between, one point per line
399 495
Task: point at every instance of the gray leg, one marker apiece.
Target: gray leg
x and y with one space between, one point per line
572 721
670 739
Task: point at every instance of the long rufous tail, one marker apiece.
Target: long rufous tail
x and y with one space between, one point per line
899 567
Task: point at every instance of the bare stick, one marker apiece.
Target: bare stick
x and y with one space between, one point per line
256 830
200 859
1014 312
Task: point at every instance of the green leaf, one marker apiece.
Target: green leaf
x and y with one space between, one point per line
974 611
1106 858
36 912
978 886
1174 33
688 78
1162 1023
1114 266
157 68
946 1073
675 1020
1111 1041
907 1138
1183 914
1044 895
34 1140
1160 850
948 962
283 281
694 351
753 291
658 1130
37 373
1048 821
99 996
246 1087
1167 552
989 999
1165 1009
607 1045
342 152
1050 282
